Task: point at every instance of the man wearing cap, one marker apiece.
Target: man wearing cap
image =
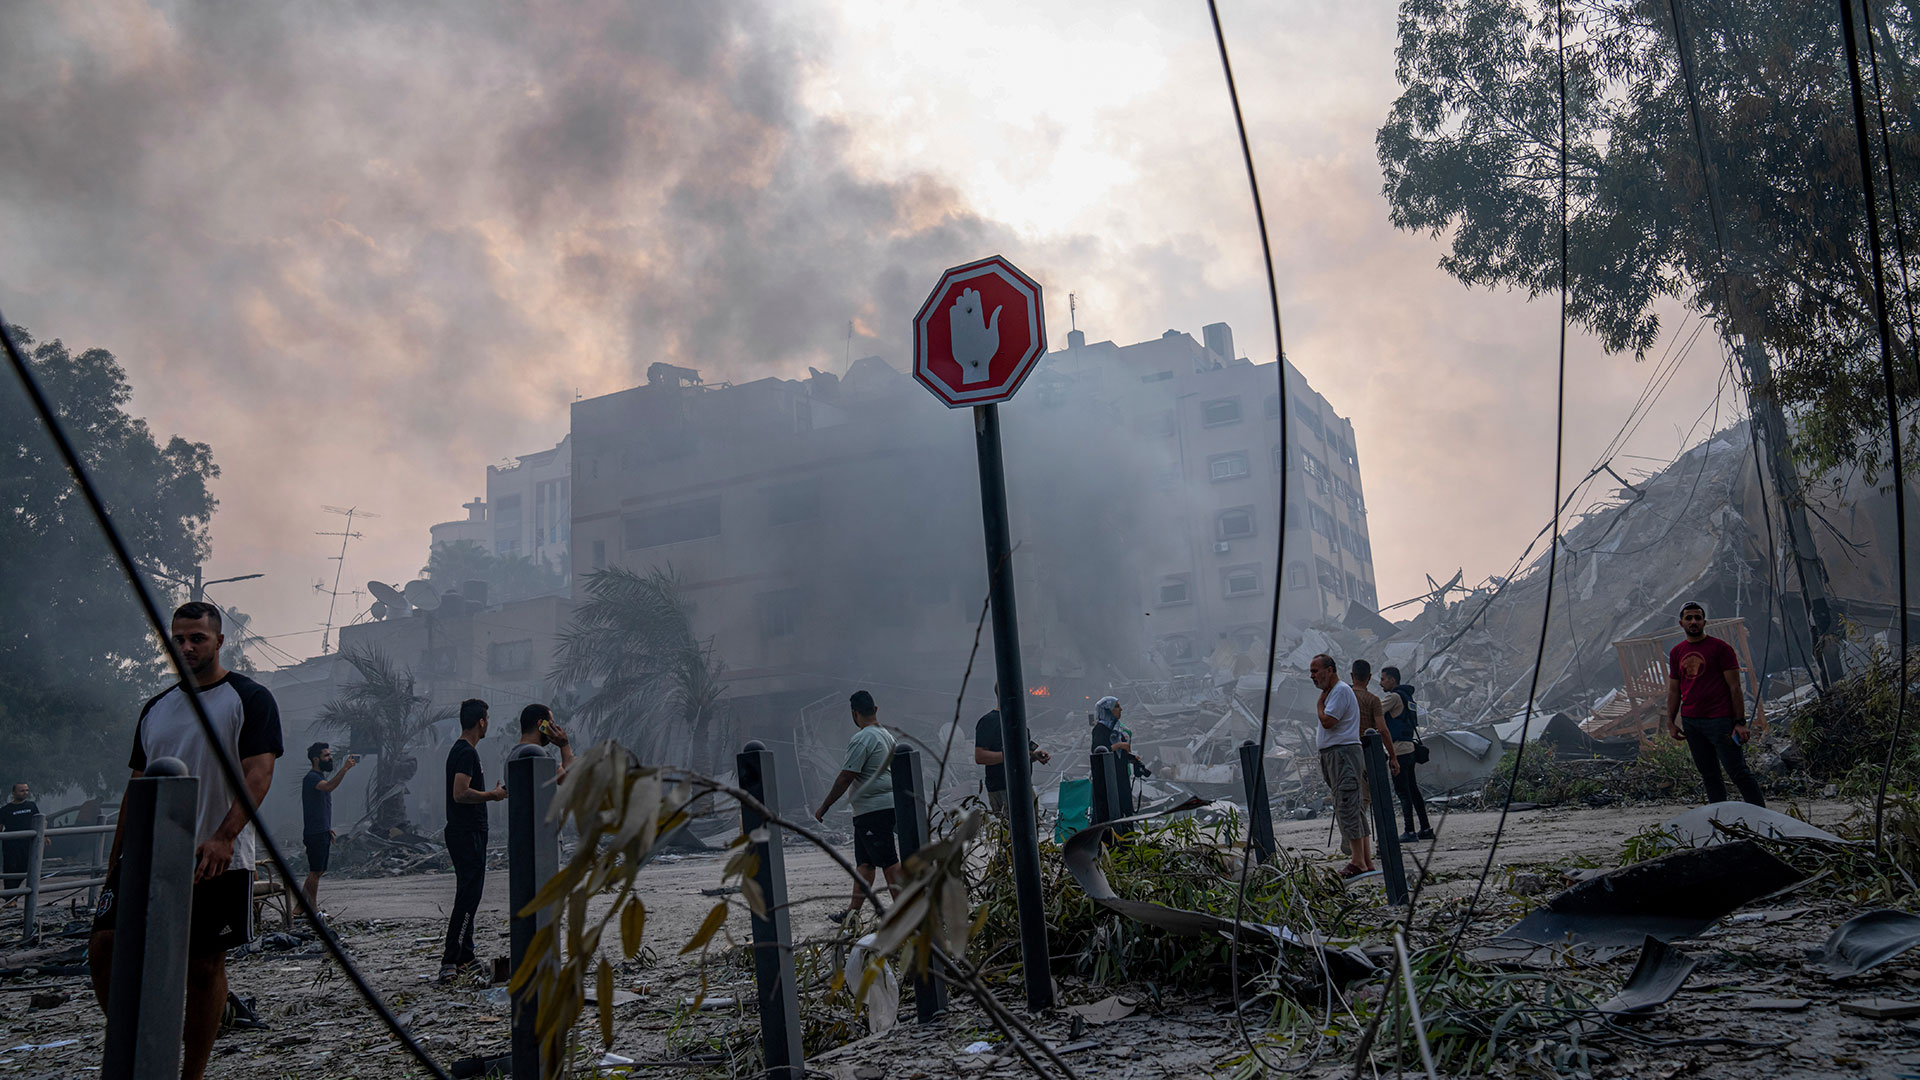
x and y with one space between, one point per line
316 808
1706 708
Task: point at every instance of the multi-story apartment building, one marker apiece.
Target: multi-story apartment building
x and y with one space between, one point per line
1204 424
827 530
526 512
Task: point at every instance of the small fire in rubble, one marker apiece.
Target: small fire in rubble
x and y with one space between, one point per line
1040 691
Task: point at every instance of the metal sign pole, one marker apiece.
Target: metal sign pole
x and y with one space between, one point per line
533 857
1013 709
147 989
30 929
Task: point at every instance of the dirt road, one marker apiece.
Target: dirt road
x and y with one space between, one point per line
393 927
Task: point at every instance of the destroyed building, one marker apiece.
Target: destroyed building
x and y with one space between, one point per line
827 530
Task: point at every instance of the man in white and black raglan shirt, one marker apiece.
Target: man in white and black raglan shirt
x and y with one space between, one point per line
248 724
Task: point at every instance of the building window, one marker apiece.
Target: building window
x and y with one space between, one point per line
1343 450
1240 581
1296 575
1273 406
1330 577
599 554
1175 590
1227 467
1234 524
1158 376
1368 596
1309 415
1323 522
1316 471
779 613
440 661
788 503
672 524
1220 411
1177 648
509 657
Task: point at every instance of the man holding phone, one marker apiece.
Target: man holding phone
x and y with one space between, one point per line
537 728
316 805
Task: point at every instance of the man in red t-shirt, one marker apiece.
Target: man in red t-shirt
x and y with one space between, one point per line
1706 708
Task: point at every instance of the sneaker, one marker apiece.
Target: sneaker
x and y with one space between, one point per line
1426 834
447 973
838 917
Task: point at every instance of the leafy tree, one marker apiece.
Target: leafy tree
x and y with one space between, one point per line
508 577
1470 149
382 714
654 685
76 656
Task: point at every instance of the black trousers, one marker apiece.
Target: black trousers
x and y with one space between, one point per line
468 847
1411 801
1710 740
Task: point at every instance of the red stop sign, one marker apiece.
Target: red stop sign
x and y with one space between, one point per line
979 333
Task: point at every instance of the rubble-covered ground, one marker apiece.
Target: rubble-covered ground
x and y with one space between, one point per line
1750 984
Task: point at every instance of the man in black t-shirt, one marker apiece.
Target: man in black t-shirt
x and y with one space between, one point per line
16 816
989 749
467 799
316 808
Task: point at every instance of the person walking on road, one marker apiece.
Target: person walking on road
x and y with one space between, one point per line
246 721
1706 707
467 799
316 807
1341 763
868 771
1403 723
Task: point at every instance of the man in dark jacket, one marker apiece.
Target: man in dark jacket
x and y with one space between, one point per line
1402 721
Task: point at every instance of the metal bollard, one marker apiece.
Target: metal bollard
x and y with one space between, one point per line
779 996
1104 797
1393 871
147 990
533 857
30 929
1122 785
910 825
1253 773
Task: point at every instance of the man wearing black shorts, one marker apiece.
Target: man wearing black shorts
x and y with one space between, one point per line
247 722
869 772
316 809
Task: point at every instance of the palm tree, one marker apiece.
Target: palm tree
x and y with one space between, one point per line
382 714
653 684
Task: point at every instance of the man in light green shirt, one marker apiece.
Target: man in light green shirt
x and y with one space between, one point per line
869 772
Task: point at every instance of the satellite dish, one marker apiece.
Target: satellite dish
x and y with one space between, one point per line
421 595
388 600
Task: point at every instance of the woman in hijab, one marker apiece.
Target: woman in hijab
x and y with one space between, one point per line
1107 731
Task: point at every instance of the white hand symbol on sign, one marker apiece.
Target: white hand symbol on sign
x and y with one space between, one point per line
975 340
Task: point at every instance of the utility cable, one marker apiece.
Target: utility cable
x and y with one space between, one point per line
1280 552
1893 402
1893 189
1559 449
229 768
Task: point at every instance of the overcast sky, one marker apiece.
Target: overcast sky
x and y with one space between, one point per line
364 251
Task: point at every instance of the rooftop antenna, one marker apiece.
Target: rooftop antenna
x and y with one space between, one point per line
1073 306
345 533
